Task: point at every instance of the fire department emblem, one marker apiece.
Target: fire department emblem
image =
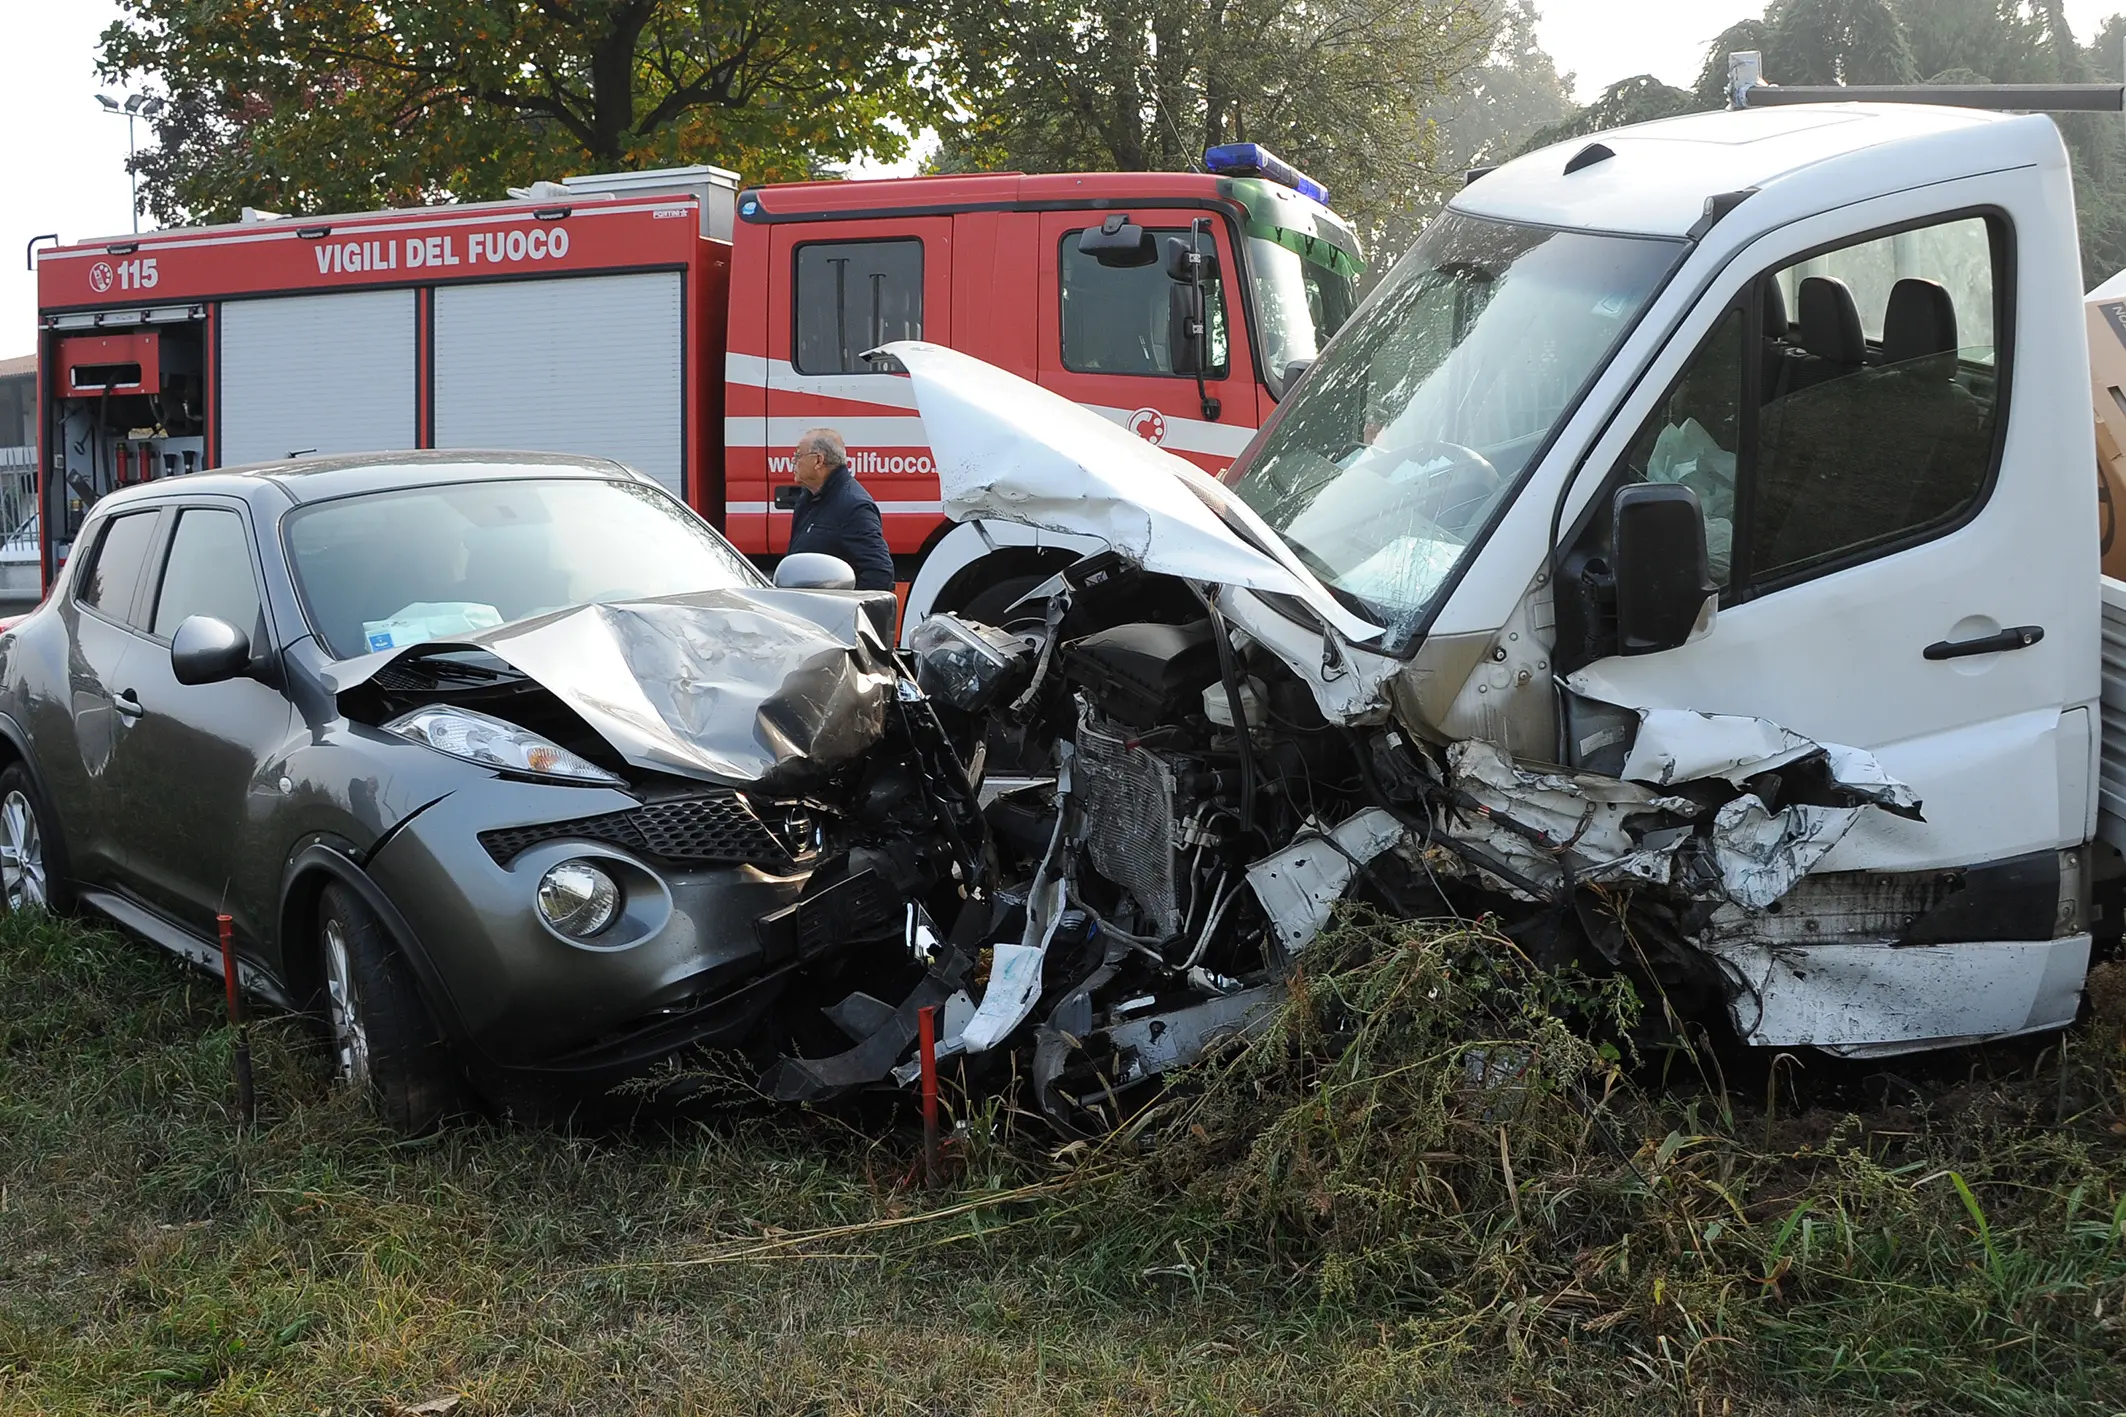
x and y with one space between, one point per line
100 277
1148 424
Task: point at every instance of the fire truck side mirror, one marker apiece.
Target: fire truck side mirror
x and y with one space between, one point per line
1186 263
1186 335
1119 242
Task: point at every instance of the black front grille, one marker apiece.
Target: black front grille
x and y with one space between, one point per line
717 826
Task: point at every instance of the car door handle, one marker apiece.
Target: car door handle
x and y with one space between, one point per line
786 497
2018 637
128 705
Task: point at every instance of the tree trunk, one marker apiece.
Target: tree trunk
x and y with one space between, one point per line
613 82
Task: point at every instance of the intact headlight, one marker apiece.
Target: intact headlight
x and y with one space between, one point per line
492 743
965 664
578 899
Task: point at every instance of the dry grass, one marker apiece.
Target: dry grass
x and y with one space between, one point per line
1337 1218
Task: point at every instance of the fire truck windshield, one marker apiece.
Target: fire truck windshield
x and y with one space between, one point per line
1299 303
391 569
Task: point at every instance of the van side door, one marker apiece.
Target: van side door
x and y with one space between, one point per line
1901 522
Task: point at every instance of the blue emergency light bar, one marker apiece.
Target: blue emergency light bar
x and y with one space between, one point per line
1255 160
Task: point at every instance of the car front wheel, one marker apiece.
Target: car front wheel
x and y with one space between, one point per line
32 857
383 1044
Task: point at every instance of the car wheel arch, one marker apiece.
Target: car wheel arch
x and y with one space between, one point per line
319 864
14 749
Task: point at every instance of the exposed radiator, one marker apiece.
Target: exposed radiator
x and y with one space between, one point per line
1128 797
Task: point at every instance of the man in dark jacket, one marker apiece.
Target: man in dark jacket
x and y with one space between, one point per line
834 513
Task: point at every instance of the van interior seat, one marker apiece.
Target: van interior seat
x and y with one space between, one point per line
1831 337
1919 323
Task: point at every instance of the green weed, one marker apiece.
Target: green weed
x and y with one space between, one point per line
1420 1191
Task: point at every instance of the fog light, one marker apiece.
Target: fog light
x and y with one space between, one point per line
578 899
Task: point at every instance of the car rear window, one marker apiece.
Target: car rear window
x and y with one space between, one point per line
121 558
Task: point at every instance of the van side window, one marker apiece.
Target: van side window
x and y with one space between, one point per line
1868 418
1115 317
1882 406
853 296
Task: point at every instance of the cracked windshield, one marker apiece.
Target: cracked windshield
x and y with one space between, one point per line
1447 383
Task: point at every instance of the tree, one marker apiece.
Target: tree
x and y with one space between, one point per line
310 105
1838 42
1494 108
1639 99
1333 86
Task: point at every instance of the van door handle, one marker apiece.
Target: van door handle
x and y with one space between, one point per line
128 705
2019 637
786 497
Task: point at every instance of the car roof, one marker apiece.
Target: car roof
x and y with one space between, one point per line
320 479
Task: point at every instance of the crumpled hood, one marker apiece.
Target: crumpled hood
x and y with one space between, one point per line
750 687
1012 450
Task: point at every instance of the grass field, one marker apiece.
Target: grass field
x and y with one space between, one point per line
1339 1219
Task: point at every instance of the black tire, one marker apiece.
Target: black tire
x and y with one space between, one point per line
989 604
33 861
382 1040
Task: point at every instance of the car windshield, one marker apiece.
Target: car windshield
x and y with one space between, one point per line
1299 302
1384 469
392 569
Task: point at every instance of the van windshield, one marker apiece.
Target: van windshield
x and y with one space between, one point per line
1419 419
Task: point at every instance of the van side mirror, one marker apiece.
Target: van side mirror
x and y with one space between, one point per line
208 651
1663 576
814 570
1119 242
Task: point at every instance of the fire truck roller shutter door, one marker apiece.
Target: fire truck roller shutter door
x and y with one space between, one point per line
580 364
330 373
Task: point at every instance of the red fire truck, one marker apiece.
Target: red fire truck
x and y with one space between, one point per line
692 329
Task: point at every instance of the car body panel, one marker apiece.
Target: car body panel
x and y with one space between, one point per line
248 795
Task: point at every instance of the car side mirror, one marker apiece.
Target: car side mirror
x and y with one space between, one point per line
814 570
1119 242
207 651
1663 576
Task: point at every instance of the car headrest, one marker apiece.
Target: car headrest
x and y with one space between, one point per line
1775 321
1830 321
1920 321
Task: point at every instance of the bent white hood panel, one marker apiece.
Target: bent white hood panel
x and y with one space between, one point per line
1014 451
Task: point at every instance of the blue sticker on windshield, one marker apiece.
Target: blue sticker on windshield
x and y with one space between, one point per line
380 639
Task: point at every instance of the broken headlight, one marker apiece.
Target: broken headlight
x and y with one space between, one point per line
965 664
494 744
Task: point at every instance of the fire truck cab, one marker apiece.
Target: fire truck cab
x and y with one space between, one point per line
693 328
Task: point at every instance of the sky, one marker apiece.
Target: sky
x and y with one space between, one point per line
62 158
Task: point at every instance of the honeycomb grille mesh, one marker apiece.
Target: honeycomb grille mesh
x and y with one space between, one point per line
1128 795
713 827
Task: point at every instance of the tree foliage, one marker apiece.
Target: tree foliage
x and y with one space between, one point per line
1335 87
311 105
1915 41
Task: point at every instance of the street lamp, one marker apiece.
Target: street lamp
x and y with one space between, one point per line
134 107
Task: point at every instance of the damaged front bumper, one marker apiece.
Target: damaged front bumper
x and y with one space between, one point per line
682 965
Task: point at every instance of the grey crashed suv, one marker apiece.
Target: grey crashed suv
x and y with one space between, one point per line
506 766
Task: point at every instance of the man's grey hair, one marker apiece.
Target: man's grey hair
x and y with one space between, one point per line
827 443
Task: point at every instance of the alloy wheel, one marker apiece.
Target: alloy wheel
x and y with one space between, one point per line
350 1040
21 854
